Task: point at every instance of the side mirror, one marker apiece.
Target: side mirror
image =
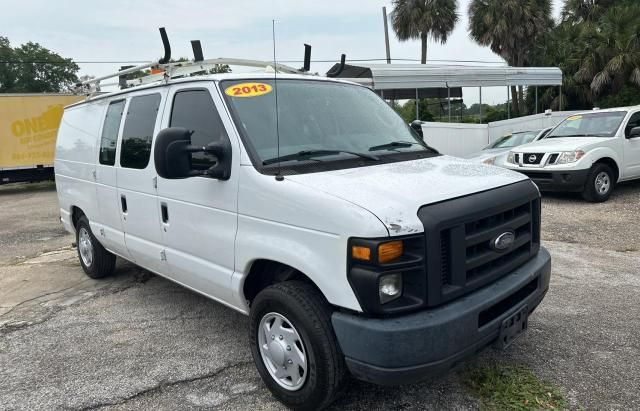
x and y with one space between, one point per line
416 125
635 132
173 156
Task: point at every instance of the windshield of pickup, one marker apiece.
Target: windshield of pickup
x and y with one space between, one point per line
515 139
598 124
318 123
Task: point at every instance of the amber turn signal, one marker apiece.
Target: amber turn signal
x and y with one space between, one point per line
387 252
361 253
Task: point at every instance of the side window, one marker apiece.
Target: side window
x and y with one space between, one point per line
138 131
110 133
195 110
634 122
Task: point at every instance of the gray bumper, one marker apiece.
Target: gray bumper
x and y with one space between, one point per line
556 180
398 350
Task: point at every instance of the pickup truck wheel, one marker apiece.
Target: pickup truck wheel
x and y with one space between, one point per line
294 347
600 183
96 261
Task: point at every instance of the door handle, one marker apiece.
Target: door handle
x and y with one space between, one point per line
123 203
165 213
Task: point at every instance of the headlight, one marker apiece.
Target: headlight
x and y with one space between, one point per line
511 158
388 275
390 287
567 157
489 161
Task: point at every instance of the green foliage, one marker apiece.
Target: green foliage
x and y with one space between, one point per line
597 46
511 28
513 388
408 110
421 19
32 68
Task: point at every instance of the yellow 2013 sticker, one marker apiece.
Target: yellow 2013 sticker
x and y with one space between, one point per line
248 90
572 118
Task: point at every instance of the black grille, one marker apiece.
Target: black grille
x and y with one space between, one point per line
538 176
464 259
532 158
553 158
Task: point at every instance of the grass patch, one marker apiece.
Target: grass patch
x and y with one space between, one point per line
512 388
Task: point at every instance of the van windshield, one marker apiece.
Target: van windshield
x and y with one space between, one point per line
318 122
602 124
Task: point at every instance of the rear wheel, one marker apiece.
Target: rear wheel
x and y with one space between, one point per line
294 347
96 261
600 183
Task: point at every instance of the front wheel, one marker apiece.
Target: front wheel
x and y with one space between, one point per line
294 347
95 260
600 183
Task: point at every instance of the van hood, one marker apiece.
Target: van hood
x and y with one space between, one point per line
547 145
394 192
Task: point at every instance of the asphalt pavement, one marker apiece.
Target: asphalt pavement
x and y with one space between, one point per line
138 341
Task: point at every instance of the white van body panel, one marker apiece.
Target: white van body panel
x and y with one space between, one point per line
302 227
394 192
76 149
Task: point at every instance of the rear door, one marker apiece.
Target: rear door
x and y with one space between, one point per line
199 213
631 149
109 219
136 177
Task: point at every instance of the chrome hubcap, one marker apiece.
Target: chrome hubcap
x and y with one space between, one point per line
603 183
85 247
282 351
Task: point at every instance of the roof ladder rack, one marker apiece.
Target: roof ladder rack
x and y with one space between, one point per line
163 69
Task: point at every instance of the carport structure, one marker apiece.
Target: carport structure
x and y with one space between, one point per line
418 81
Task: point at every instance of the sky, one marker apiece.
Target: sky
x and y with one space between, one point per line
123 31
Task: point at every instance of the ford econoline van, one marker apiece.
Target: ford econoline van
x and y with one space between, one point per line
309 205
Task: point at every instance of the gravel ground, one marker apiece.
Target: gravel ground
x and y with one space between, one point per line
137 341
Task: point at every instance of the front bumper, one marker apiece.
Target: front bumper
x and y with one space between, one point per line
409 348
556 180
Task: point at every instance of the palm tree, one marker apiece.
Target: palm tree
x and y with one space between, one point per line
614 58
421 19
511 28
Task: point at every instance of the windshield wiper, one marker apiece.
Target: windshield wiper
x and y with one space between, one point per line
308 154
395 144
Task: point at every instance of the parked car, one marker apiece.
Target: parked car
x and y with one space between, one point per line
496 153
589 153
351 245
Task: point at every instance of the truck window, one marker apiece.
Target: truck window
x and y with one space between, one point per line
110 133
634 122
138 131
195 110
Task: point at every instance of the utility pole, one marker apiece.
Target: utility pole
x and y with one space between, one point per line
386 34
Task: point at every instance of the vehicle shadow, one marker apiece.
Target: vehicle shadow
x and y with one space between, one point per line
30 188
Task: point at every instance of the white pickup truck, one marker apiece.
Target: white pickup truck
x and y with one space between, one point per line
589 153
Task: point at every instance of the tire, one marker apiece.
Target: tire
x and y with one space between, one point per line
304 309
600 183
96 261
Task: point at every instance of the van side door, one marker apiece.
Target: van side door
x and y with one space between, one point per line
199 214
136 178
109 220
631 146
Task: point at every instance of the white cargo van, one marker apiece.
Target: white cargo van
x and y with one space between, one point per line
352 246
588 153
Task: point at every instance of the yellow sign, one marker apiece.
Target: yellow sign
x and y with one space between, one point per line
248 90
572 118
28 128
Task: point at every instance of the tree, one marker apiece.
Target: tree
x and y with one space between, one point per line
511 28
424 19
32 68
597 47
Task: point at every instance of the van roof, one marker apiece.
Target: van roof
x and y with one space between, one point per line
209 77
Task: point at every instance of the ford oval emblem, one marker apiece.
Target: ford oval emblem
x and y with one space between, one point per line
533 158
504 241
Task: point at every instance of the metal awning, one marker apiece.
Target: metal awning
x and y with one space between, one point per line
422 76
